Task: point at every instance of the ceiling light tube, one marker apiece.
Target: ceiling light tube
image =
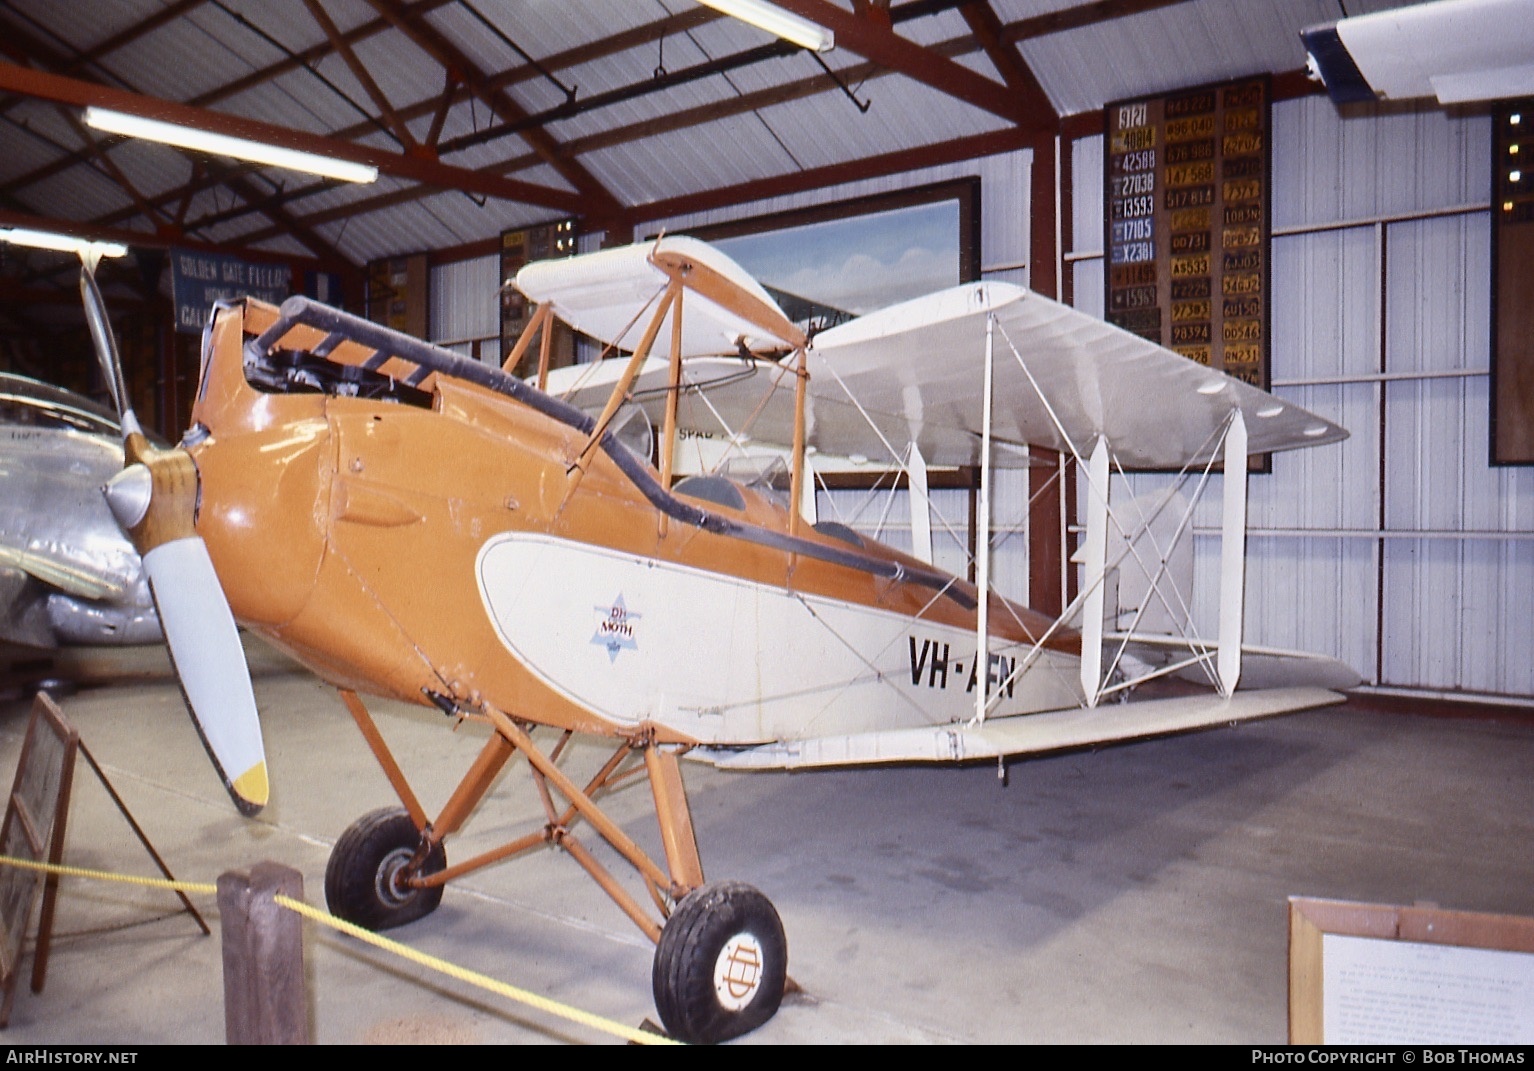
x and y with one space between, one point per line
63 243
776 21
186 137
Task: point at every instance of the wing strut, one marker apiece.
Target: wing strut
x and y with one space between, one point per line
983 537
1233 555
1094 554
921 509
577 469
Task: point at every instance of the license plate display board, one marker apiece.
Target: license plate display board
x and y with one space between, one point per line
1186 220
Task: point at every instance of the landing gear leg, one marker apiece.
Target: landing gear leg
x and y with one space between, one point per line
721 959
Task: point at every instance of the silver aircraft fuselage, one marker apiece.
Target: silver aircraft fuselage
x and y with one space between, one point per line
68 574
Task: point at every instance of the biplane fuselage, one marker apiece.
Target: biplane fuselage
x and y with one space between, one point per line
431 549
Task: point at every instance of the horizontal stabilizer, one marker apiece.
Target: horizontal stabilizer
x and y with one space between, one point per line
1030 734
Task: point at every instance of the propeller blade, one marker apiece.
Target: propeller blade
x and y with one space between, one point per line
106 348
154 499
210 663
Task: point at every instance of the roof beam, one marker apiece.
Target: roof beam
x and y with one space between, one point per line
581 54
360 72
71 91
1004 56
228 89
596 199
133 32
868 38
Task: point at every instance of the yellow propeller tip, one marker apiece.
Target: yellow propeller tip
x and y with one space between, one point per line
251 787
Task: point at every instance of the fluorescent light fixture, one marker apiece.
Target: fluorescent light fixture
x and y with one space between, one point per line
187 137
776 21
63 243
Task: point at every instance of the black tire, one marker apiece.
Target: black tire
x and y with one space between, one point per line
721 964
361 883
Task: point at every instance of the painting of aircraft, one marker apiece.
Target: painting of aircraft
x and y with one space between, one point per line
68 575
416 525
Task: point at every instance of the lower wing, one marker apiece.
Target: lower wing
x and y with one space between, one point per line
1030 734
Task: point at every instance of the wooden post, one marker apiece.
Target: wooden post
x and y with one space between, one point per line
264 998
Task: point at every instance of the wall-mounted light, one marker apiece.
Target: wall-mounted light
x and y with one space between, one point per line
776 21
187 137
63 243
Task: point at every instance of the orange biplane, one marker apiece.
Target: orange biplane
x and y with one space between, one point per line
576 585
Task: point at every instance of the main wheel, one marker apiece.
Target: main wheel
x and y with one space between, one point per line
363 877
721 964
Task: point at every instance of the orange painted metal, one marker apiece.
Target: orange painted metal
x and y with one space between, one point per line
385 757
471 790
616 892
539 322
677 836
606 827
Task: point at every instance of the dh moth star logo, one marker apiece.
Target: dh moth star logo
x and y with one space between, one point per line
615 628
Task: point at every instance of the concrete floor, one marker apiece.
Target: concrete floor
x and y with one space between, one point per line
1136 894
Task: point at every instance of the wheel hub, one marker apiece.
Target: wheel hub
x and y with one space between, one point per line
393 873
738 971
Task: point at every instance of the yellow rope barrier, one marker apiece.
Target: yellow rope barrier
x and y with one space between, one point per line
104 875
324 918
452 970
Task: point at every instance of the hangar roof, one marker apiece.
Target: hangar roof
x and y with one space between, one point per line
492 114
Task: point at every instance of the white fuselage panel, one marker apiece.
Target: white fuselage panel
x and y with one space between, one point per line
730 661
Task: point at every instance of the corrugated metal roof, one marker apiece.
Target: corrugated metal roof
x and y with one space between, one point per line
1181 45
631 151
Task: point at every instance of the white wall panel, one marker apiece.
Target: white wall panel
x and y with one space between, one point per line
1328 168
465 304
1086 220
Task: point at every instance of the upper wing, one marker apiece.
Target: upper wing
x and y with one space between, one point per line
912 373
1062 379
609 294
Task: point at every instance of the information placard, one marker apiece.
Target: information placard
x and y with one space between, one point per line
1370 974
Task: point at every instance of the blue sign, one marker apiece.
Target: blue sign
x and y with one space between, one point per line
199 279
